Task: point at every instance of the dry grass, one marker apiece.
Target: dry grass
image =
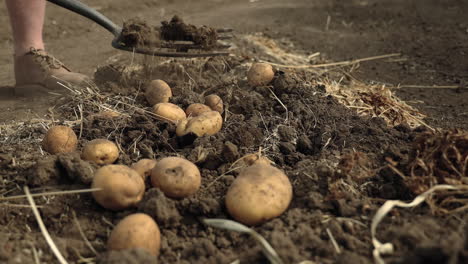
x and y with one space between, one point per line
375 101
273 52
8 198
438 158
333 240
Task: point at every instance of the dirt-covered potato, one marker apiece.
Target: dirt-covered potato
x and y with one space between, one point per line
260 74
207 123
122 187
169 112
158 91
176 177
215 103
196 109
100 151
144 167
136 231
260 192
60 139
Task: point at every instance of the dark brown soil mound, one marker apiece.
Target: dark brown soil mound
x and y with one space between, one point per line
333 157
336 160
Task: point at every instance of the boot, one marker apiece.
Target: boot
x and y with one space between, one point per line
37 72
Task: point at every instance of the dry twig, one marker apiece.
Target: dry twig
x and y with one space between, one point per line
50 194
44 231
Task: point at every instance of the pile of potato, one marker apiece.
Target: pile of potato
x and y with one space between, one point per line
122 187
198 119
259 193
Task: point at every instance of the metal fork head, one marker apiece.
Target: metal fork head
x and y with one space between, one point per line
185 49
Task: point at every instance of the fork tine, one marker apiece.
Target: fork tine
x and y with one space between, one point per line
224 30
225 37
156 52
182 54
175 45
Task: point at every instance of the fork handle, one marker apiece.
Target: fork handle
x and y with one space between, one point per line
86 11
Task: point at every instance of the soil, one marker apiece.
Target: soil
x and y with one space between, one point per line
337 160
176 29
136 32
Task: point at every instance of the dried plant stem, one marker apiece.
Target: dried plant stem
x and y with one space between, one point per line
429 86
75 219
35 254
267 249
332 239
49 194
44 231
340 63
18 205
80 108
387 248
281 103
222 175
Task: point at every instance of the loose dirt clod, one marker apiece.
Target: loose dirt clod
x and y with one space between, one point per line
161 208
136 32
135 255
176 29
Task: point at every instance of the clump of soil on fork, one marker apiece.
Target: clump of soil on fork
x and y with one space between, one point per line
177 30
136 32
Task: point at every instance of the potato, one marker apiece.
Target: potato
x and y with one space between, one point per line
260 74
144 167
215 103
176 177
260 192
59 139
169 112
196 109
122 187
207 123
100 151
136 231
158 91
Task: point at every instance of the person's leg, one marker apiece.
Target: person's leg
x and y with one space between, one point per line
27 20
35 69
